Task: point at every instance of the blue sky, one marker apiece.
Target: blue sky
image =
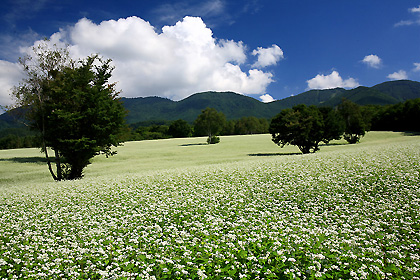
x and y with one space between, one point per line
267 49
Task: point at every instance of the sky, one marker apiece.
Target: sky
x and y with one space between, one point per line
266 49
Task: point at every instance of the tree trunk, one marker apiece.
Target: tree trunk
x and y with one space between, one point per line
48 160
58 164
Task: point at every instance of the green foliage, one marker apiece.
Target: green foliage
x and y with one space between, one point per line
333 124
151 132
236 106
301 126
179 129
399 117
354 125
213 139
210 122
72 106
82 114
251 125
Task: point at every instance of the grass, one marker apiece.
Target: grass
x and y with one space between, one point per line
241 209
22 166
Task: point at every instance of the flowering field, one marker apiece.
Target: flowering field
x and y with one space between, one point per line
352 212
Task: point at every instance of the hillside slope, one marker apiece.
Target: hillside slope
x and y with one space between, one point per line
235 106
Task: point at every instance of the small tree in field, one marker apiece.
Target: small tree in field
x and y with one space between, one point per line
72 105
210 123
301 126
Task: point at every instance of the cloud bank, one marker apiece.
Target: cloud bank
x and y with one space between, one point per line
333 80
182 59
10 75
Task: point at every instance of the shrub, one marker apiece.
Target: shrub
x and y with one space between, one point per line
213 140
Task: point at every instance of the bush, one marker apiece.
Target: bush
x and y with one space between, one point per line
213 140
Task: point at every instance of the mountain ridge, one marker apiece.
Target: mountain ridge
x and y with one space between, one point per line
235 105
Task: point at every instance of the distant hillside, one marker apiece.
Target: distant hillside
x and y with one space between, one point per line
235 106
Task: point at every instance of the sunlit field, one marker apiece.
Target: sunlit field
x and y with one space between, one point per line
241 209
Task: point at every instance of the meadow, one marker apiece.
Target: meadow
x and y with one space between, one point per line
241 209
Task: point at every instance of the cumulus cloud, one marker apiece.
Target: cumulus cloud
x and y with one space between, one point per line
373 61
267 56
333 80
416 67
400 75
10 75
182 59
266 98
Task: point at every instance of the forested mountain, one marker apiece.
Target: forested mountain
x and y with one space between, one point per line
235 106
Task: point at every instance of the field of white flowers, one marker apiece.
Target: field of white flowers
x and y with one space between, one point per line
349 213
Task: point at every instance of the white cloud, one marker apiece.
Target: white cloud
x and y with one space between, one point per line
416 67
10 75
415 9
333 80
373 61
266 98
267 56
414 21
182 59
400 75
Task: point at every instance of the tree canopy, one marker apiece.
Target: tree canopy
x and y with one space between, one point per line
355 127
179 129
210 122
73 107
301 126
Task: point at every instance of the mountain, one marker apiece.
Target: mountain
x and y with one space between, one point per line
235 106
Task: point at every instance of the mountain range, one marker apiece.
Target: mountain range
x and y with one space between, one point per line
235 106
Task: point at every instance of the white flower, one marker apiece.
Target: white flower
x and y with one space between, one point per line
201 274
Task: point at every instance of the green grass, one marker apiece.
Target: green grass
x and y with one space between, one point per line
241 209
22 166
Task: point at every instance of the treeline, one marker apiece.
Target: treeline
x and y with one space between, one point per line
399 117
180 128
16 138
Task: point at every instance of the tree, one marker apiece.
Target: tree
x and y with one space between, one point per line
333 124
180 129
73 106
210 123
354 125
301 126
